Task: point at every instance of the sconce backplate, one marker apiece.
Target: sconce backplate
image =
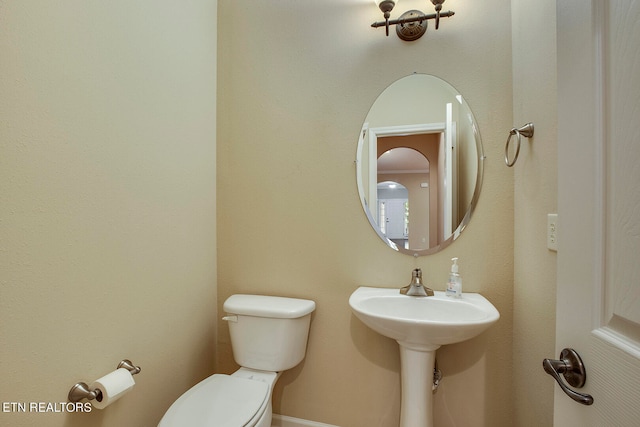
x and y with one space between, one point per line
411 30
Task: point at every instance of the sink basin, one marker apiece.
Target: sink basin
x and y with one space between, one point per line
423 321
421 325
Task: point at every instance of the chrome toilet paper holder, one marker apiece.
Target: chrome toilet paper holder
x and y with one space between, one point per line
81 390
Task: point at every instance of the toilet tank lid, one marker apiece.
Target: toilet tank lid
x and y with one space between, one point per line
268 306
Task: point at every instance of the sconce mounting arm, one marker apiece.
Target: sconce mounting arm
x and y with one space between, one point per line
412 19
412 24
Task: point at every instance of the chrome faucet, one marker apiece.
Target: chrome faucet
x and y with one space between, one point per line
416 288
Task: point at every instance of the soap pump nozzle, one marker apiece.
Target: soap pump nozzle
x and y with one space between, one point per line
454 266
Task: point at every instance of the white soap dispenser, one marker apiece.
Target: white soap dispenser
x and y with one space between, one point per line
454 286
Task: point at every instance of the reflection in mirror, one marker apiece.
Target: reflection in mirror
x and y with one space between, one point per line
419 164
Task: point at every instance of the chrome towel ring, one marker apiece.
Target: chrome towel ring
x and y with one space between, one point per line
526 131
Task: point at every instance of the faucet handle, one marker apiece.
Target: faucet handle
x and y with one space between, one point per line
416 277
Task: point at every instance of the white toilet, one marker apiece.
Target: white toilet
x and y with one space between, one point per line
268 335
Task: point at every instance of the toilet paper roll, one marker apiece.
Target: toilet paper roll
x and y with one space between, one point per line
112 386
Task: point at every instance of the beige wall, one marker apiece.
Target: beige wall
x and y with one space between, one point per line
535 174
296 80
107 202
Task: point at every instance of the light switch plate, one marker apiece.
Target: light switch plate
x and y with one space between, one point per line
552 232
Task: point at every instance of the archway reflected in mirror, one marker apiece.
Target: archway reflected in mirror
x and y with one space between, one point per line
404 176
420 134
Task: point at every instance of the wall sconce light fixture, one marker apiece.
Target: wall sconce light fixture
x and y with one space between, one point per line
412 24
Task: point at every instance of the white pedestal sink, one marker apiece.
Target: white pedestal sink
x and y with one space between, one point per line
421 325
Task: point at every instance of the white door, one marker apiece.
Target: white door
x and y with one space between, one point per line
598 296
395 212
450 206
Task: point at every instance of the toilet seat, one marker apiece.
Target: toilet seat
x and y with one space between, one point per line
218 401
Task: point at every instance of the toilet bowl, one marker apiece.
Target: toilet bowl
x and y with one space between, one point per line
268 335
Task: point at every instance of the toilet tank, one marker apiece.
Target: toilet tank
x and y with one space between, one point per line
268 333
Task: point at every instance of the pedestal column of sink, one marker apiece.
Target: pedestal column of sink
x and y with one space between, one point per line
416 379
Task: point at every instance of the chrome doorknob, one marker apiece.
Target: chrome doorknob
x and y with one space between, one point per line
572 369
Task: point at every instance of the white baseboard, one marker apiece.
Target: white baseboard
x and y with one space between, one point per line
284 421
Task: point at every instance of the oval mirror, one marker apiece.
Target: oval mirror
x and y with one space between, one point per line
419 164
